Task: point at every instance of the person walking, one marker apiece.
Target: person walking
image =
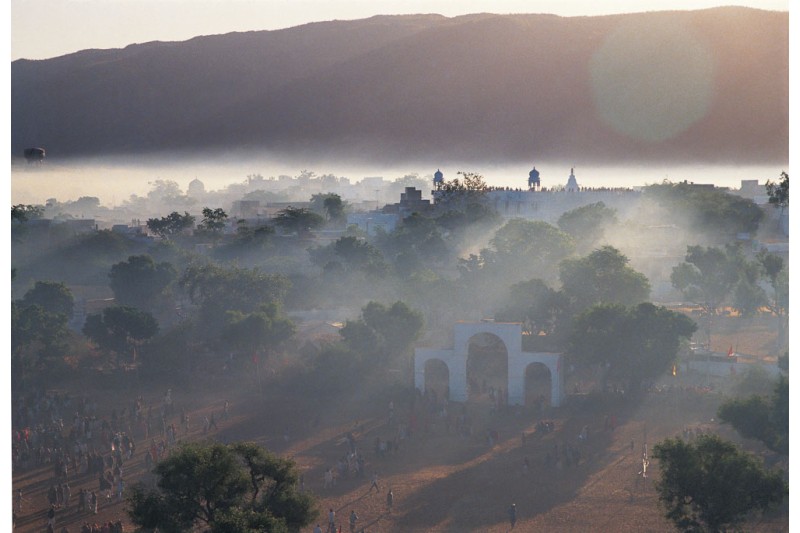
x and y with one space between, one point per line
51 517
389 500
353 520
374 483
331 520
512 515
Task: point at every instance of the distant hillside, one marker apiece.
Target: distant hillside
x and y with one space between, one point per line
709 86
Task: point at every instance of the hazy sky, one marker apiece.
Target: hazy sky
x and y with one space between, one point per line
48 28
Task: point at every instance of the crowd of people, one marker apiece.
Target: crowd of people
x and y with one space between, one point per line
79 443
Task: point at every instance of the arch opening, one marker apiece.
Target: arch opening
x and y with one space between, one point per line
437 378
538 386
487 367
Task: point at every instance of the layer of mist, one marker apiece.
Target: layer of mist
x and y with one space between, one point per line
114 180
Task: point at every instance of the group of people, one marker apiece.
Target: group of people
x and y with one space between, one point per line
68 434
353 519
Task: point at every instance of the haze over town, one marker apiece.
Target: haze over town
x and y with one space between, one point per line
399 266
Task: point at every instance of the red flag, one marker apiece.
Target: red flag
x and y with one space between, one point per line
730 351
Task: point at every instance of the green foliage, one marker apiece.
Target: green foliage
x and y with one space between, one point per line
586 224
300 221
779 192
762 418
232 288
417 241
714 210
707 276
525 249
537 306
171 225
261 330
459 221
603 276
710 485
470 188
23 213
34 325
776 301
54 297
330 205
633 344
118 329
218 290
139 281
383 331
213 222
352 255
239 487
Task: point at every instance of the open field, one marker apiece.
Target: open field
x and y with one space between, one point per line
441 481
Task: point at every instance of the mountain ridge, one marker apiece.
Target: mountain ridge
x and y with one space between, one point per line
481 86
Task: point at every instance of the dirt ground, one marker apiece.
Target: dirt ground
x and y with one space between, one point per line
441 481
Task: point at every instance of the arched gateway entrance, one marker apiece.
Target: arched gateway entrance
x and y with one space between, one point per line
517 380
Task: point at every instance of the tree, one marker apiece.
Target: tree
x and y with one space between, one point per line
603 276
232 288
758 417
238 487
217 290
536 305
777 302
20 215
298 220
711 485
459 192
417 239
713 210
352 253
586 224
258 331
629 344
213 222
329 204
171 225
139 281
779 192
52 296
389 331
24 213
706 278
32 326
119 329
525 249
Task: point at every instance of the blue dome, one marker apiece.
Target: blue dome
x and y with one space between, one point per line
438 177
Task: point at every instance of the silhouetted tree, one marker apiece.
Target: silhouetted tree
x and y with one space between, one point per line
762 418
119 329
630 344
239 487
139 281
52 296
586 224
298 220
706 278
171 225
603 276
711 485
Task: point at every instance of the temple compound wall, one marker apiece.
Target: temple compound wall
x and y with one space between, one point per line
518 361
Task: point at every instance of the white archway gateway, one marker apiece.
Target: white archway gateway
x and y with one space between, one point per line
518 361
